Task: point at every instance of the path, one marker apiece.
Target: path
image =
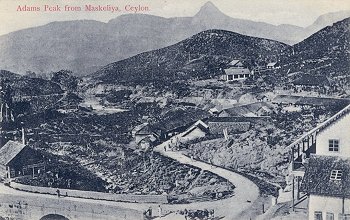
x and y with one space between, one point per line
245 192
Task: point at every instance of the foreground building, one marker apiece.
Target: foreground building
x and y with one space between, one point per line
327 181
321 158
18 159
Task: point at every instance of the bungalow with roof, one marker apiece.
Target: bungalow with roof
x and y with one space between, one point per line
234 74
144 136
310 82
18 159
273 65
322 158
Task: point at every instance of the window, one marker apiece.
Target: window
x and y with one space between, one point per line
246 75
318 215
241 75
229 77
329 216
336 174
236 76
333 145
344 216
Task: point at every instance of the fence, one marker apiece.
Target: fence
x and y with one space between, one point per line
162 199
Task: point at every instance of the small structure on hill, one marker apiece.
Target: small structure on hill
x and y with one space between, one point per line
233 74
144 136
273 65
235 70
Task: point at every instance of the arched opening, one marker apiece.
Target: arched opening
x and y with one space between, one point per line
54 217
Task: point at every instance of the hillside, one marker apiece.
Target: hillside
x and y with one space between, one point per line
326 52
84 46
201 55
26 86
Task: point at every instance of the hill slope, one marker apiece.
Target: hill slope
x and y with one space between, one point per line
26 86
201 55
326 52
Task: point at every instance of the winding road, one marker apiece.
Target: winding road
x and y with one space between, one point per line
245 193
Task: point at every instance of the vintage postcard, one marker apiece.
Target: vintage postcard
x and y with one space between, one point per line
174 110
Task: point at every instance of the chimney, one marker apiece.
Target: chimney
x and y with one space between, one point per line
23 136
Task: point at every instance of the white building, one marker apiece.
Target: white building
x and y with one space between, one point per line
234 74
326 178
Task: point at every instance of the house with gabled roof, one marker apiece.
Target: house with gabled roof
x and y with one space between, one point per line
177 121
327 182
18 159
321 158
234 74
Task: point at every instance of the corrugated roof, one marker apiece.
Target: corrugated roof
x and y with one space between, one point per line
312 80
317 179
245 110
315 101
235 71
9 151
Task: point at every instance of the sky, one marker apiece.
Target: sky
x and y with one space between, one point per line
296 12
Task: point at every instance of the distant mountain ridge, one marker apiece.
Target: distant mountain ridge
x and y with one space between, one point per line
84 46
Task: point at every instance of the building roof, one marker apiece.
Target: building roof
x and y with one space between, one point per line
9 151
235 63
314 101
312 80
230 119
236 71
149 138
271 64
178 118
321 127
318 181
246 110
144 130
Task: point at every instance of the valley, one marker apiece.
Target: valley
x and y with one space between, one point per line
182 122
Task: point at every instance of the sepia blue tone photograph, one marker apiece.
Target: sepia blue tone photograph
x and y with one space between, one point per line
175 110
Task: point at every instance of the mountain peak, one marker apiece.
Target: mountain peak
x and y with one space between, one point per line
208 9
